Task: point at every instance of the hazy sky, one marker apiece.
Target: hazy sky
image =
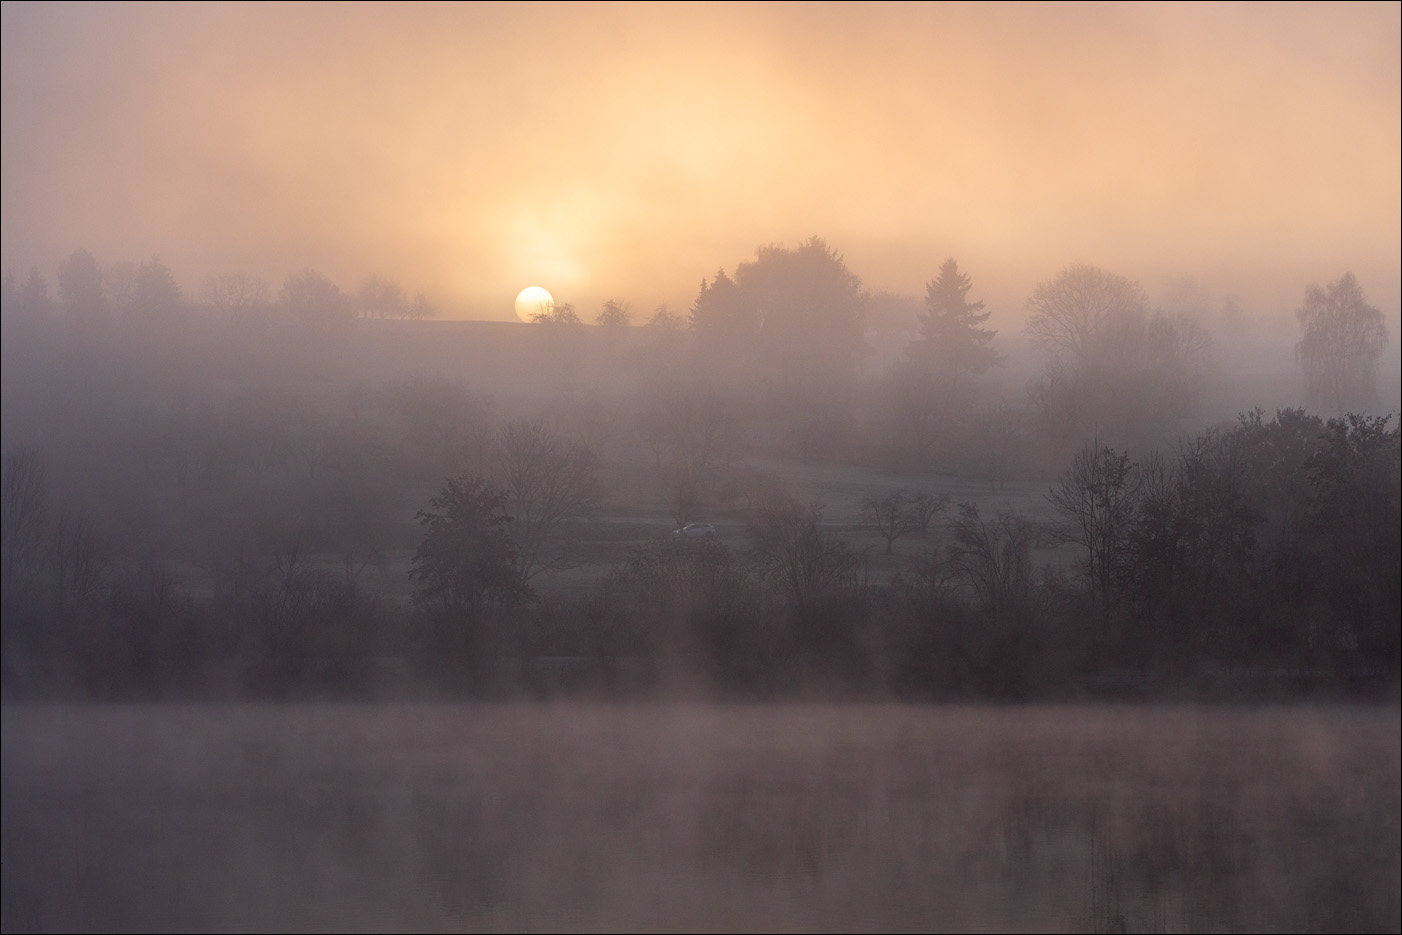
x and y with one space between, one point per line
626 151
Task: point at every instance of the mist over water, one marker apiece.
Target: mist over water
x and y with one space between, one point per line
677 817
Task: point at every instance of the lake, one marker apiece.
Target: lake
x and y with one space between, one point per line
640 817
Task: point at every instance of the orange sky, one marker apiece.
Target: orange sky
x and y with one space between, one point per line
626 151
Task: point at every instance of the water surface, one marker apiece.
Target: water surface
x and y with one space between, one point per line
532 817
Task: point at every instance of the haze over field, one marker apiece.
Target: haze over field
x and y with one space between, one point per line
626 151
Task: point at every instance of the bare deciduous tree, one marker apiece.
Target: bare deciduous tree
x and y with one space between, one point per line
924 507
614 314
548 481
561 313
379 297
1112 365
1096 497
1341 339
315 302
419 308
993 558
792 551
890 516
1071 311
237 296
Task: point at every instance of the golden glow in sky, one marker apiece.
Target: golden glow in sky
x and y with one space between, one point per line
626 151
532 300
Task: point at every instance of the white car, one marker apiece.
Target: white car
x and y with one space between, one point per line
694 531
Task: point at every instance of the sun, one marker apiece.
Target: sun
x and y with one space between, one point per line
531 300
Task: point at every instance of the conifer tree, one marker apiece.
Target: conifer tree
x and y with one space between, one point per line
953 346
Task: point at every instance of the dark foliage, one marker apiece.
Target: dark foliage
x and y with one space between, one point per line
467 557
953 346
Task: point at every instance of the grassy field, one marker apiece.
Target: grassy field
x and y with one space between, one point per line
635 512
675 817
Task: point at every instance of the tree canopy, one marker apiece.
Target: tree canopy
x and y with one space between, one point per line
467 557
794 315
953 343
1341 339
1113 365
556 314
1075 312
155 293
614 314
548 481
315 302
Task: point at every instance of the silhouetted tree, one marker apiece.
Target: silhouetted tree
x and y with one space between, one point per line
1356 515
953 346
614 314
1113 367
560 313
1188 553
548 481
792 551
419 308
379 297
315 302
790 319
1071 312
1341 339
993 559
467 557
809 308
725 325
664 321
1217 519
237 297
1274 454
890 516
155 295
1096 498
924 507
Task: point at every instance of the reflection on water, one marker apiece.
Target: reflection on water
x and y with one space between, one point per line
529 817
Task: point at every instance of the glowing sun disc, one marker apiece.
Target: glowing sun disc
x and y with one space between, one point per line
531 300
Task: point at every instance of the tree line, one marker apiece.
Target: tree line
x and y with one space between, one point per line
148 294
1267 551
207 531
792 321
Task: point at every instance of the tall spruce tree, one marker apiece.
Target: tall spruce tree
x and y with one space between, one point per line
953 346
